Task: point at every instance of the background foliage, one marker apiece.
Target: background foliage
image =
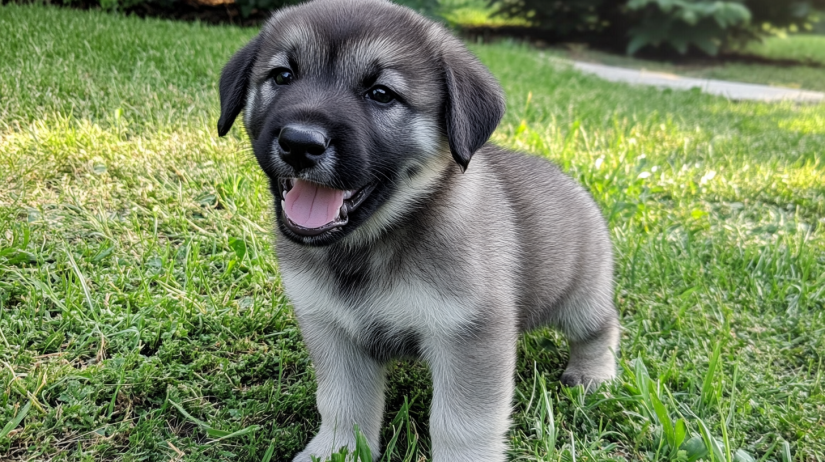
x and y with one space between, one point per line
245 7
705 25
682 23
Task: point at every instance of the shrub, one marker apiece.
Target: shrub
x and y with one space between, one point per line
771 16
681 23
706 25
427 7
592 21
247 6
564 18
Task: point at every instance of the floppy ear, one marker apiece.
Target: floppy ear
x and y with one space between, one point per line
475 104
234 82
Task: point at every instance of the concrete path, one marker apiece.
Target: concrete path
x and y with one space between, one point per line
732 90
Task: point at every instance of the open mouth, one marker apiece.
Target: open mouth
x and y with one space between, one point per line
310 209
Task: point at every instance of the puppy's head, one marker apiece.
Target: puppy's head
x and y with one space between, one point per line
354 109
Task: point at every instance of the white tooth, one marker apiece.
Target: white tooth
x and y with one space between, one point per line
283 204
348 194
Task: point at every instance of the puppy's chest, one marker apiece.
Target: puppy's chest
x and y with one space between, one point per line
374 300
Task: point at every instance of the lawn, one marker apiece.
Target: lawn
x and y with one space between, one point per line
142 317
474 13
808 49
800 47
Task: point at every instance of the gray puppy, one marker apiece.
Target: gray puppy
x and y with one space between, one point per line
365 116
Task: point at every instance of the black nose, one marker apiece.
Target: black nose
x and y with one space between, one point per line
302 147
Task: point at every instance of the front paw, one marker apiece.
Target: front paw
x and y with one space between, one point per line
321 455
323 445
307 454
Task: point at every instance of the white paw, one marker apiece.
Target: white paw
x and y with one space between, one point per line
323 445
589 375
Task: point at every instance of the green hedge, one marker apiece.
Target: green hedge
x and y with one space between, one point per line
245 7
706 25
680 24
633 25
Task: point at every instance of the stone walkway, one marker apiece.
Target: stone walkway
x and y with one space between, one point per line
731 90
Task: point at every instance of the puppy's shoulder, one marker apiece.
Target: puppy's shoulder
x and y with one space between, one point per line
516 166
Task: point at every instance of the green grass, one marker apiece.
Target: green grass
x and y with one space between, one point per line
806 48
801 47
793 47
799 77
464 13
142 316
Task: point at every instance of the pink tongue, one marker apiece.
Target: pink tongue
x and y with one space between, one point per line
311 205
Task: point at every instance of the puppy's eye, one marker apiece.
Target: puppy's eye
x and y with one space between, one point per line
282 76
381 94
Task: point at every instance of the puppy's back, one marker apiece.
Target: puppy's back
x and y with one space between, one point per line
563 239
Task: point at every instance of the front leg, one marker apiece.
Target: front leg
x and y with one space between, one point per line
350 391
473 382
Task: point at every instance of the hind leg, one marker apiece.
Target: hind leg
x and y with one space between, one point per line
591 325
593 360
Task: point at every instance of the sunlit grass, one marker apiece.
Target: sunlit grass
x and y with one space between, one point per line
798 77
469 13
142 316
788 76
802 47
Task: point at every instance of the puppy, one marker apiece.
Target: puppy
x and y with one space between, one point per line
365 116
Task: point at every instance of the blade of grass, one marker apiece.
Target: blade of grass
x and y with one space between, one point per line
13 423
82 279
269 451
708 392
214 433
241 432
362 448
